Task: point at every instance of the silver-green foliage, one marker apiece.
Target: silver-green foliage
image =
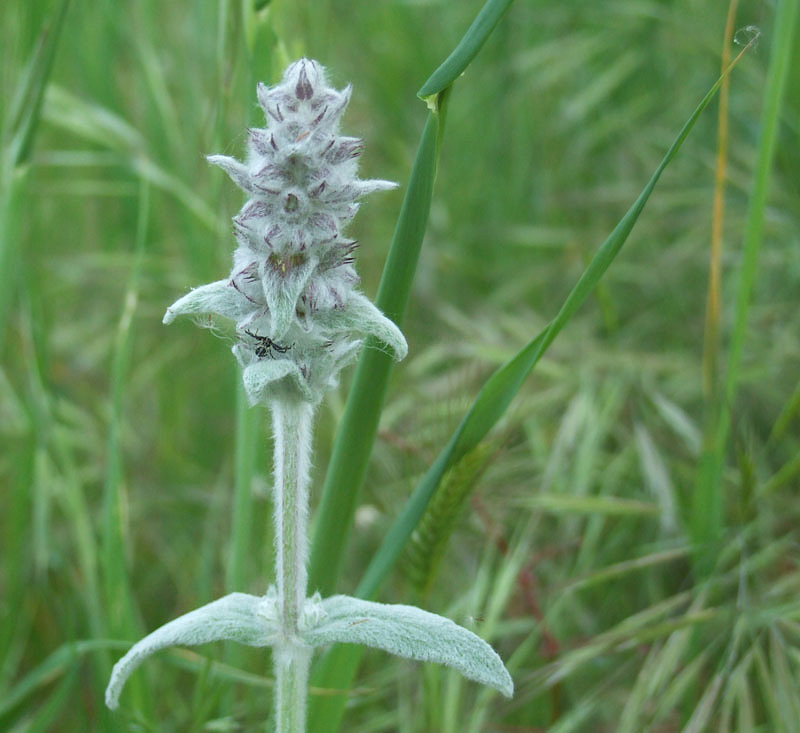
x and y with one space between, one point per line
402 630
299 320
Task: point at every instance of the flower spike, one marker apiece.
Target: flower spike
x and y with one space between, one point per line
293 279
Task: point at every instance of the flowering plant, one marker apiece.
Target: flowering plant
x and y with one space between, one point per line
298 321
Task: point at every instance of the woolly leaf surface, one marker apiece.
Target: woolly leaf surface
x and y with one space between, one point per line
235 617
413 633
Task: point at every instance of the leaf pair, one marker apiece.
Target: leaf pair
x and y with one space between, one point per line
252 620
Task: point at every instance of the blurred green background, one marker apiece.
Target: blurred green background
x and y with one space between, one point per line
571 532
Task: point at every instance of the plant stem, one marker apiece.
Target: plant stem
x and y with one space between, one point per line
291 422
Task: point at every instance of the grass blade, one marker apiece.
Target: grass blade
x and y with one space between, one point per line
461 57
122 611
708 511
503 385
338 668
711 338
247 435
18 136
356 434
59 663
23 120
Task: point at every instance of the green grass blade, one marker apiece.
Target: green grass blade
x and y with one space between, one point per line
788 415
334 672
247 435
16 540
395 286
469 46
23 119
123 620
786 690
46 713
610 506
13 192
503 385
708 510
356 435
360 422
338 668
119 599
59 663
19 132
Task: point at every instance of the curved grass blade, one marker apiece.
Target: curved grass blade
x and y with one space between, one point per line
19 132
461 57
46 713
59 663
356 435
25 111
503 385
338 668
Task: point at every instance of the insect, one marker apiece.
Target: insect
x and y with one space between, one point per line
265 345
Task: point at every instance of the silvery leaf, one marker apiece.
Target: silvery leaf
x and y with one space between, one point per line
235 617
410 632
236 170
364 188
260 378
217 297
282 291
362 317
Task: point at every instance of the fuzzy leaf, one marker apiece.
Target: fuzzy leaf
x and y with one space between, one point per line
413 633
261 375
364 188
217 297
344 354
236 170
282 292
235 617
364 318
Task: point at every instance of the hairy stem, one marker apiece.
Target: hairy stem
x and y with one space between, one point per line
291 423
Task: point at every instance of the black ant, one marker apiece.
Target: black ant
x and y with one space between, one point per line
266 345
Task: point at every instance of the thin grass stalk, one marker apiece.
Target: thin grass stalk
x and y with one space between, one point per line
708 509
123 616
788 413
114 566
14 544
13 192
356 436
19 134
241 525
52 444
711 342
